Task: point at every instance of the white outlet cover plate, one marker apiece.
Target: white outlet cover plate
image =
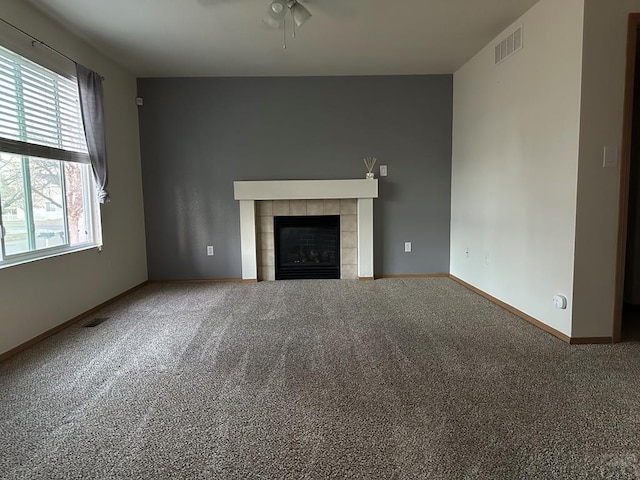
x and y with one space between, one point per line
407 246
383 170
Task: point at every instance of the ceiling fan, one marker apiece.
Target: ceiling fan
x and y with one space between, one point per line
278 10
277 13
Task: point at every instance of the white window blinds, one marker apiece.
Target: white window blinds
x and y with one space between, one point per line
39 111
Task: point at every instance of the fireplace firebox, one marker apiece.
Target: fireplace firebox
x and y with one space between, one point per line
307 247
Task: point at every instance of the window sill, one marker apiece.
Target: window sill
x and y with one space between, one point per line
47 255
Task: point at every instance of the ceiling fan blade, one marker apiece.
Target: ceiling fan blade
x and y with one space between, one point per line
341 9
300 14
271 22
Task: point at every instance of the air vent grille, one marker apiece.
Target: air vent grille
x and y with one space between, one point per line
95 322
508 46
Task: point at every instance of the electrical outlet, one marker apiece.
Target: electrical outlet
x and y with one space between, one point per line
210 250
407 247
383 170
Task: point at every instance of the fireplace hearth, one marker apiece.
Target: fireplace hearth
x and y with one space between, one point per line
307 247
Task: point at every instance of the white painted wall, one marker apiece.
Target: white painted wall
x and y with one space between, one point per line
41 295
515 165
604 63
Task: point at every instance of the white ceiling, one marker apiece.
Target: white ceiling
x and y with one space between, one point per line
166 38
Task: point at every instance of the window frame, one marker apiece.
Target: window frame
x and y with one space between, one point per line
93 224
89 203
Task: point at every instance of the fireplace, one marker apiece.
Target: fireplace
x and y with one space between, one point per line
260 201
307 247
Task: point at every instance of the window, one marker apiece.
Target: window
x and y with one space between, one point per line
47 199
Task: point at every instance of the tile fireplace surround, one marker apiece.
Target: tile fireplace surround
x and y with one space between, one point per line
306 197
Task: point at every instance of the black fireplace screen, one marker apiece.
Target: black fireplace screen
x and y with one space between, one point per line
307 247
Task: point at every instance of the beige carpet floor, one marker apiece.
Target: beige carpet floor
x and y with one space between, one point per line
392 379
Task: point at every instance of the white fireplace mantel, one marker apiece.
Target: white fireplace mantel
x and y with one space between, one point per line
248 192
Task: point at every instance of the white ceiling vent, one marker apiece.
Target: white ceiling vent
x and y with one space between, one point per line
509 45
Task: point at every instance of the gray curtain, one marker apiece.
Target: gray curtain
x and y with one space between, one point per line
90 87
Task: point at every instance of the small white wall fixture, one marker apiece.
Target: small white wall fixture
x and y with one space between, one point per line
247 192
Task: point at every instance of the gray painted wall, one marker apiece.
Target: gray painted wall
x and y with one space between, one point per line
198 135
